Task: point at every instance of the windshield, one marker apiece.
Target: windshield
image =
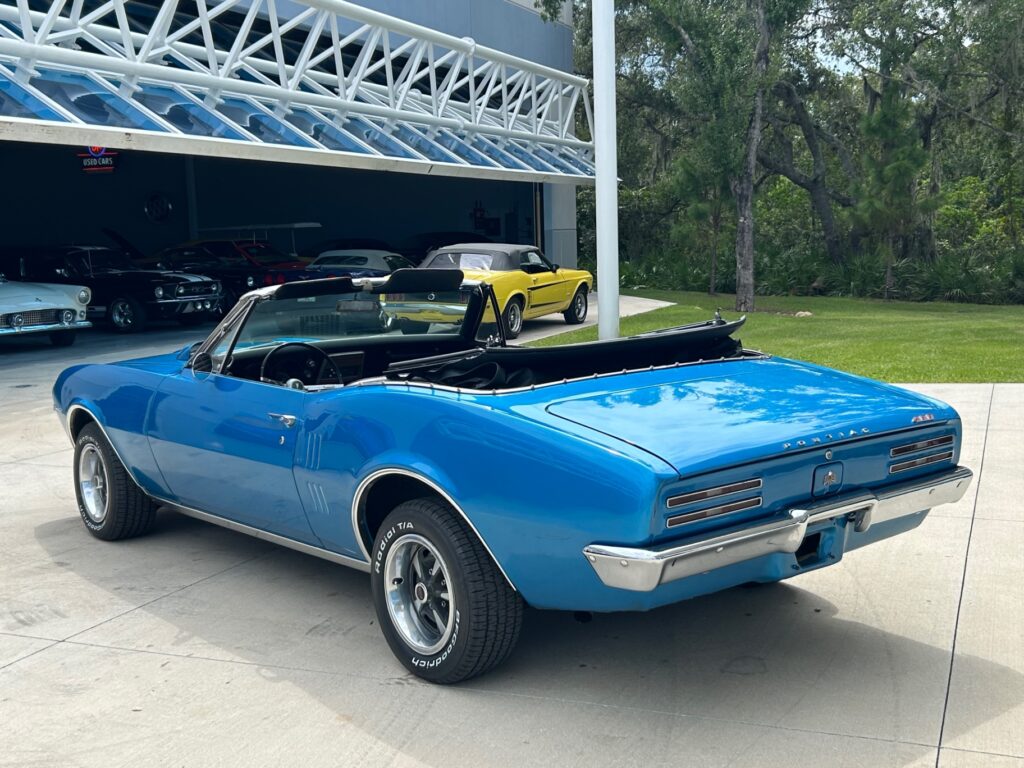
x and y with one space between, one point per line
349 315
93 261
479 260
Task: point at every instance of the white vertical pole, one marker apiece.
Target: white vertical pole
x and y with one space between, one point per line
607 208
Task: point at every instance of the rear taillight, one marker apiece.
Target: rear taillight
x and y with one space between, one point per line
268 280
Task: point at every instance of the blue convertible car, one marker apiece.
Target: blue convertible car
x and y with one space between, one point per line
384 424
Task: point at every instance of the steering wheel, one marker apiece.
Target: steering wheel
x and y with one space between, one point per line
317 367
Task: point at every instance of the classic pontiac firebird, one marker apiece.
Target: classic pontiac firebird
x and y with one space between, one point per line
471 478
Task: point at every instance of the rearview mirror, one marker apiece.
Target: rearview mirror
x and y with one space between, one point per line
202 363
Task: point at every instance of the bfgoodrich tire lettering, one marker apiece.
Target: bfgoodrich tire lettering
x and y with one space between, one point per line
471 632
111 505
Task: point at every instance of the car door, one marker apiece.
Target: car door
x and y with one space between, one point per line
226 446
547 289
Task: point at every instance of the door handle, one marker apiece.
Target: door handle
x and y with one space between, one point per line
287 419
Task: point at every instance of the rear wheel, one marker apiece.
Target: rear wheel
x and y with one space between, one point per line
445 608
577 311
514 317
127 315
111 505
62 338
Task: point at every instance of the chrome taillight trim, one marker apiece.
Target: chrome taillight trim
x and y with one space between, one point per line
924 461
713 493
723 509
921 445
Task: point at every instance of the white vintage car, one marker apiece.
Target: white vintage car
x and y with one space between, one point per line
58 310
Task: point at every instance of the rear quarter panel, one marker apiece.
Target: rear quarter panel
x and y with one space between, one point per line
536 494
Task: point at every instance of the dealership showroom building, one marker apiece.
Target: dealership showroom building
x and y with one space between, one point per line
390 121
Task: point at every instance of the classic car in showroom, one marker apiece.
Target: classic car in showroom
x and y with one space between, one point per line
526 283
123 294
359 262
56 310
239 265
471 478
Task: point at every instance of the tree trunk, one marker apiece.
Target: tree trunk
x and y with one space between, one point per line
743 187
716 231
815 184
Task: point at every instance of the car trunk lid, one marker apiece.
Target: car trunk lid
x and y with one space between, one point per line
748 411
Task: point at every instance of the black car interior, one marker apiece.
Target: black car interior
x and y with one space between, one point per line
510 367
460 360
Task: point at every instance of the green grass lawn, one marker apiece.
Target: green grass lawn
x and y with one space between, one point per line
893 341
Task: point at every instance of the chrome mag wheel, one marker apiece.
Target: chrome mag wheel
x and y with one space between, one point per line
93 483
514 314
122 314
579 305
419 593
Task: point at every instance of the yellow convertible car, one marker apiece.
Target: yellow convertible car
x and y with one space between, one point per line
526 283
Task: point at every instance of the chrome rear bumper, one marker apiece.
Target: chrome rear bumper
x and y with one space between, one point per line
641 570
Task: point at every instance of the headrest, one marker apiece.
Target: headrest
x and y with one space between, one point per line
323 287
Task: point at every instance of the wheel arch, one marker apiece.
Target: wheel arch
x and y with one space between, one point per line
78 417
515 294
384 489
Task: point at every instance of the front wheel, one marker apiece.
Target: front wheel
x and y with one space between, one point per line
445 608
127 315
112 506
577 311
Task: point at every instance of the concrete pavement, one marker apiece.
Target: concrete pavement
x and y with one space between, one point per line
195 646
552 325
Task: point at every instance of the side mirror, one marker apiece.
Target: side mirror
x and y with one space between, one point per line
202 363
555 267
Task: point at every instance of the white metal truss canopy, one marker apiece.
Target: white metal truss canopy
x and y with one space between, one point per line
318 82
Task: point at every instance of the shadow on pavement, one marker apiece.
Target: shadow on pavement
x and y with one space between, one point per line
775 655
